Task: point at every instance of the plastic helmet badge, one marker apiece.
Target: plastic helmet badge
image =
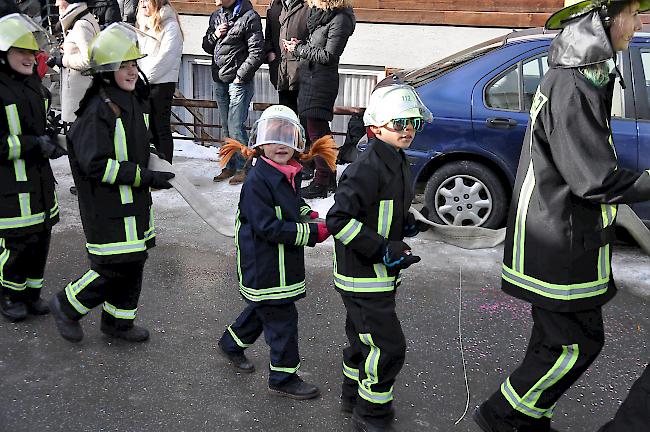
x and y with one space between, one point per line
394 101
20 31
278 124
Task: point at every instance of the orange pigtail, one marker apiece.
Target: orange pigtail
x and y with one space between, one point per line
231 146
324 147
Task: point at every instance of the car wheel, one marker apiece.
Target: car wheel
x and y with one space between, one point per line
465 193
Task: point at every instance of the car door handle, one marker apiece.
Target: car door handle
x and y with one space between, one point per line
500 123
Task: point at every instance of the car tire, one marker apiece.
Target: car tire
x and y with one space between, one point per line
466 193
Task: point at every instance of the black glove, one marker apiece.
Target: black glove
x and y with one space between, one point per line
156 179
54 61
397 255
50 148
413 227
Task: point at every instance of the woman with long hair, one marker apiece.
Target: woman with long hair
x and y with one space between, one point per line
330 24
159 19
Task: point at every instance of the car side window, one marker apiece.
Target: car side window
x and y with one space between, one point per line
503 92
645 61
532 72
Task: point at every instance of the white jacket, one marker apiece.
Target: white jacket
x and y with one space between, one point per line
163 61
79 28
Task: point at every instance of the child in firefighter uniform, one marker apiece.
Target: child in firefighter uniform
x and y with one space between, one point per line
369 220
109 150
271 230
28 204
557 253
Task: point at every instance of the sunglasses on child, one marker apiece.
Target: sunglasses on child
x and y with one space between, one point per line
400 124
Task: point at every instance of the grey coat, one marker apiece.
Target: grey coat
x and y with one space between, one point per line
293 24
240 52
319 65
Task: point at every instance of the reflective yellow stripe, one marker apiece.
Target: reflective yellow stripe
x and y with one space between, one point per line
34 283
350 372
372 374
236 339
562 366
289 370
525 194
110 172
30 220
13 120
283 274
305 210
75 288
14 147
349 231
138 178
146 119
120 313
555 291
385 217
273 293
25 205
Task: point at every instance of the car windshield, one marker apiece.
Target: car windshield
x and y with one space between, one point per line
427 73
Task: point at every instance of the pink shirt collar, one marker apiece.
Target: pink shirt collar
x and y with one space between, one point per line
289 170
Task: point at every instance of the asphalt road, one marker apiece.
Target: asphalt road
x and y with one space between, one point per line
178 382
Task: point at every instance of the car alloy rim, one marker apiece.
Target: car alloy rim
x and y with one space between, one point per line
463 200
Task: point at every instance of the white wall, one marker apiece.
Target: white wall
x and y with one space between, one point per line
378 45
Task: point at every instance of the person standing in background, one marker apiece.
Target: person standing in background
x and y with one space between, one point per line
330 24
159 19
235 40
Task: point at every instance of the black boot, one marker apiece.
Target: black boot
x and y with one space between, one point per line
314 191
68 328
238 360
37 307
73 190
360 424
12 310
131 334
295 388
348 404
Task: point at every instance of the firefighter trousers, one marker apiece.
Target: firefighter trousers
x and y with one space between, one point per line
373 358
280 326
22 265
562 346
117 286
634 414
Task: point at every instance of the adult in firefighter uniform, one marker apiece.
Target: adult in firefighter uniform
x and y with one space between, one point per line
28 205
109 148
557 253
369 220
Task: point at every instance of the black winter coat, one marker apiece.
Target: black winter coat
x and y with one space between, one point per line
240 52
270 237
108 156
370 206
28 201
272 39
319 65
106 11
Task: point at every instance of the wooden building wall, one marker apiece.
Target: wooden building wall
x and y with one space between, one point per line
476 13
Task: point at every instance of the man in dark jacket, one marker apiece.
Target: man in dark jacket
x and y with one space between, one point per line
234 39
557 253
106 11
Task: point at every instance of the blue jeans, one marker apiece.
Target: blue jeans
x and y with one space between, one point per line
233 101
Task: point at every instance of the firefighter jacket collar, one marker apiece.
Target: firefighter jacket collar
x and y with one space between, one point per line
581 43
390 155
122 98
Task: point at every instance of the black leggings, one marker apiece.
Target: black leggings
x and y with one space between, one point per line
161 111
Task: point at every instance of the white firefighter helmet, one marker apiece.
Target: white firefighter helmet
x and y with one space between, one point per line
278 124
392 102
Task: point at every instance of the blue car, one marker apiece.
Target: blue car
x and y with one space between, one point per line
466 160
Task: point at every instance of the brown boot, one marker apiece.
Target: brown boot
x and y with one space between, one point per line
238 178
225 174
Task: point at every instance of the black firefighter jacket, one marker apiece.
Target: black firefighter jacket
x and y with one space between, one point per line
28 201
557 251
107 157
270 237
370 206
240 52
